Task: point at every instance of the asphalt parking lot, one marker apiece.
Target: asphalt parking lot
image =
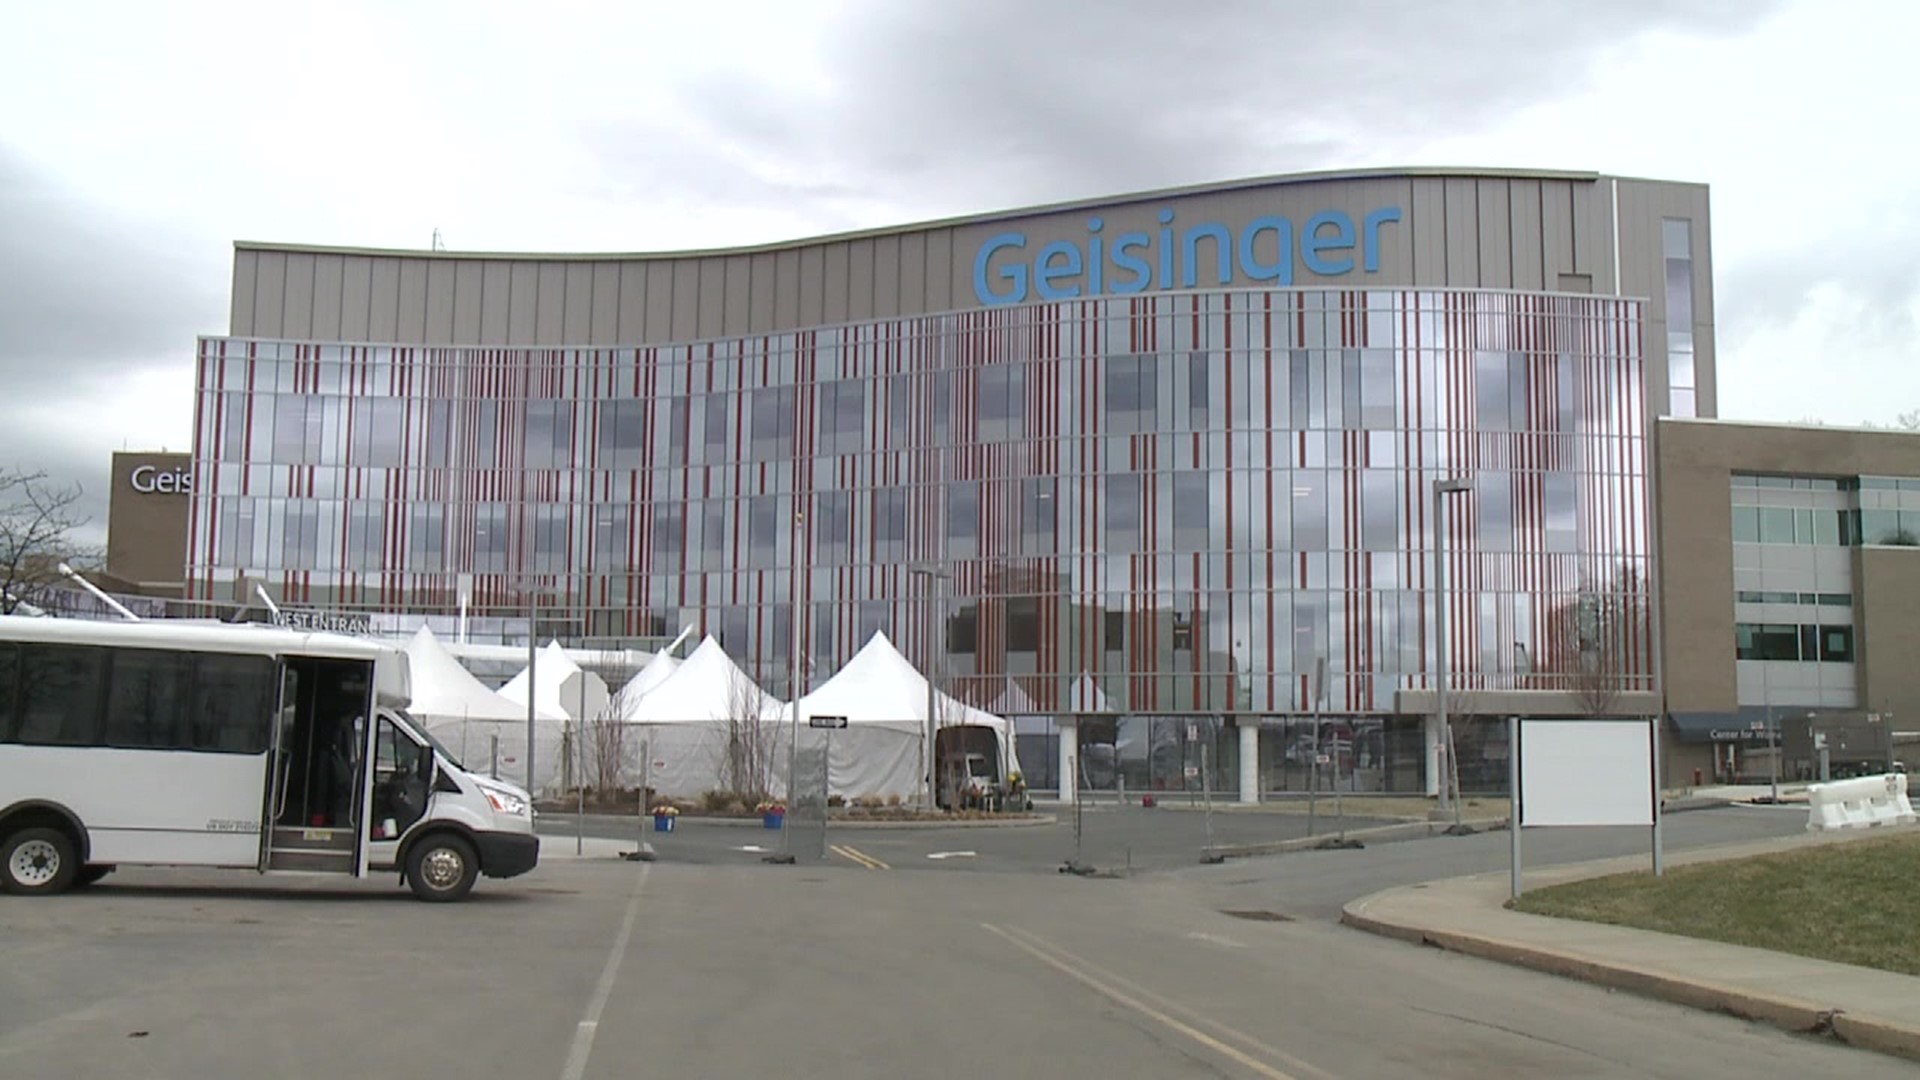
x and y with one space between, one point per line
599 967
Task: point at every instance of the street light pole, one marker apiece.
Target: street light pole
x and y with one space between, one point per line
929 766
1441 489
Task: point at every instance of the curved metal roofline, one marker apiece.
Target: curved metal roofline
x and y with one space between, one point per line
1102 202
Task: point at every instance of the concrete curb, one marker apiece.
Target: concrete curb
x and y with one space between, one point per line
1789 1013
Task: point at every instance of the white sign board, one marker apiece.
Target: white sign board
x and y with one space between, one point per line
1586 772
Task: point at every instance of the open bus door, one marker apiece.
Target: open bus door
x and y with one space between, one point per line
313 819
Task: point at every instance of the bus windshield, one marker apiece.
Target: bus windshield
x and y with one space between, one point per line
439 747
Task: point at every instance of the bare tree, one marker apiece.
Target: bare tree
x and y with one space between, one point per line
1592 640
749 762
607 743
37 522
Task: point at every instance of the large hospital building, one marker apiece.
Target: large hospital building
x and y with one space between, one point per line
1161 467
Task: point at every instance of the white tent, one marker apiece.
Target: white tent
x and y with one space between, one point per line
458 709
884 699
570 696
696 718
658 670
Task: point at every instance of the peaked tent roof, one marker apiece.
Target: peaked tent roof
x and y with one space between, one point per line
444 689
879 686
647 679
707 686
552 669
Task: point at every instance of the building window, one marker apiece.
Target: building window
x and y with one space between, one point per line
963 631
1114 631
890 523
1132 393
550 540
426 528
549 434
963 518
669 537
611 534
1023 624
491 529
772 422
366 535
715 433
1790 641
1037 515
1676 238
833 522
1192 510
1122 515
1003 401
843 416
1836 644
623 434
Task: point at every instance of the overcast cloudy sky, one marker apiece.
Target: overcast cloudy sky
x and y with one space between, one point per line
138 140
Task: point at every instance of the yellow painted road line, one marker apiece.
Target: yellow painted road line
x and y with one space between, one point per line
1075 969
1174 1007
860 857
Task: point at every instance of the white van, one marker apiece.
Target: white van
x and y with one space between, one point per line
189 743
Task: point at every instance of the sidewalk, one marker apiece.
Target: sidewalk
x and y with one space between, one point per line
1876 1010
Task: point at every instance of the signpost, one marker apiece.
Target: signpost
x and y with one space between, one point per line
829 722
1583 773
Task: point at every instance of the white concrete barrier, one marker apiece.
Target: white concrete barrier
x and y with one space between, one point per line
1860 803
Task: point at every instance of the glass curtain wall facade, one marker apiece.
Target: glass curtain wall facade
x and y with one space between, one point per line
1159 512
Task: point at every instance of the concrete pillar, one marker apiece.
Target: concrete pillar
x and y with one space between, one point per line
1249 759
1069 758
1433 756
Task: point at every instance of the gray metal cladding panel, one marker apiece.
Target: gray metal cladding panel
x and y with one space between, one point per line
550 316
411 305
1429 232
760 292
270 294
913 273
658 326
711 294
1593 234
1556 222
1495 246
813 285
1524 224
496 302
240 305
356 298
886 276
329 279
633 303
469 280
296 317
860 276
605 329
443 281
523 301
383 314
576 324
1463 232
686 299
737 297
786 288
941 288
833 284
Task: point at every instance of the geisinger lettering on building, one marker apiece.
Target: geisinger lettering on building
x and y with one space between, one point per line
1174 450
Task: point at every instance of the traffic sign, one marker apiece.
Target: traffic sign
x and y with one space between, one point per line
1322 759
827 721
1192 771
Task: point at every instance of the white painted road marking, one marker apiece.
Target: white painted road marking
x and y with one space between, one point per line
756 848
590 1023
952 855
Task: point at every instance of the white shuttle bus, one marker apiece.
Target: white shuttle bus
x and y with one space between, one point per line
204 744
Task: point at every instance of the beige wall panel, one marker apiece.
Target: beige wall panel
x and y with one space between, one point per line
658 326
913 274
356 299
605 328
633 303
1889 634
550 313
786 289
861 255
577 320
469 280
328 281
443 284
833 284
737 274
523 303
296 317
383 315
941 294
711 292
813 285
760 292
496 302
270 295
886 277
246 264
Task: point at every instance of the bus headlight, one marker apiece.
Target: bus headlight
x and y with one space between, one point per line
505 802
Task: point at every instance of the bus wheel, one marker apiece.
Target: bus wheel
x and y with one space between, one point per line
442 868
37 861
